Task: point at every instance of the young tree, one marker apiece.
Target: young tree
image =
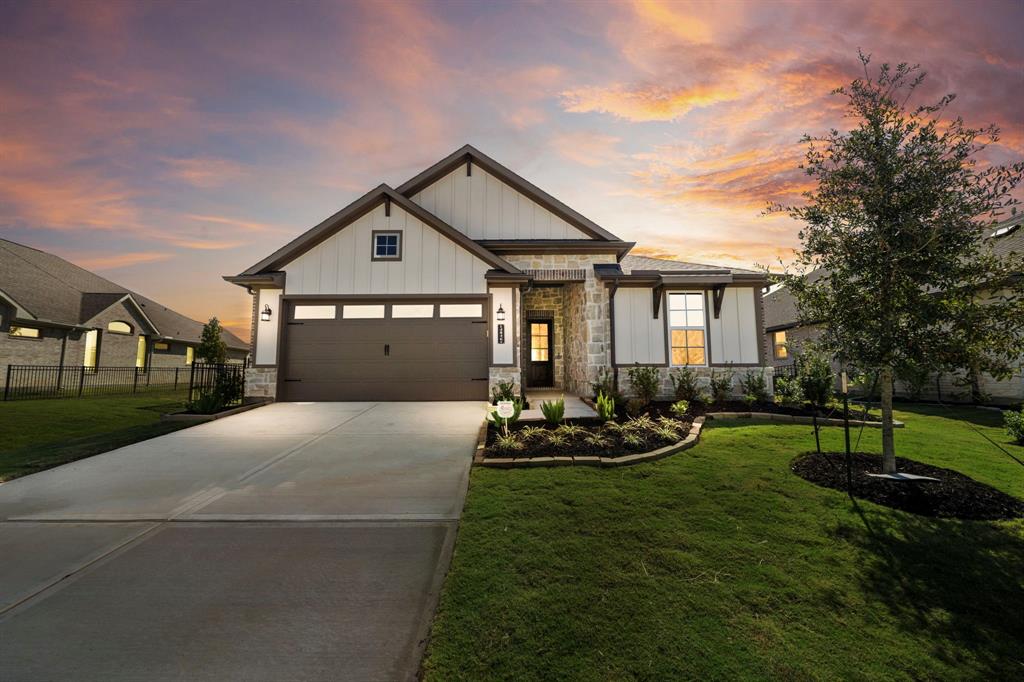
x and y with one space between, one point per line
211 346
898 221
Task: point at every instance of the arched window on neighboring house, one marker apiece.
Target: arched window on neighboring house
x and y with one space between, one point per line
119 327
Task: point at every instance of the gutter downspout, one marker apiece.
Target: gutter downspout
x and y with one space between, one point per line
612 288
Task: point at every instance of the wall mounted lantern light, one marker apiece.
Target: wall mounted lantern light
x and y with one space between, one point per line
265 313
501 313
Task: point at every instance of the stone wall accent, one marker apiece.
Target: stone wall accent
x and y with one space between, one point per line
548 300
703 379
503 374
586 345
261 382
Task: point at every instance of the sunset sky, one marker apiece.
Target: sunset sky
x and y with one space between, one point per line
163 145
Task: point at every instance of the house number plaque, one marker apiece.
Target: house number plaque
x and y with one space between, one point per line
501 333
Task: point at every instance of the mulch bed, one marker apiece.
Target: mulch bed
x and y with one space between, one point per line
954 495
538 445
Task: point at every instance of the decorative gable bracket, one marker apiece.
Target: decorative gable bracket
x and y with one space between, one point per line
717 294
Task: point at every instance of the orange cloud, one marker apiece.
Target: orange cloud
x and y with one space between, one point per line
205 172
586 148
107 261
646 103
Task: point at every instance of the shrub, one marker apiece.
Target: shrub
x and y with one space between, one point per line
614 428
721 385
556 440
684 384
666 435
816 377
505 390
635 407
571 431
208 402
633 441
755 388
606 384
1014 422
645 382
554 410
531 433
788 391
639 424
597 440
679 408
605 407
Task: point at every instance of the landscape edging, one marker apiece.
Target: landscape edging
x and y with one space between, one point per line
691 439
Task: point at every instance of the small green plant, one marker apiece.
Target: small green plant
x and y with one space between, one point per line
505 390
507 444
606 384
638 424
532 433
721 385
613 428
1014 422
571 431
679 408
666 435
503 423
554 410
635 407
684 384
633 441
556 440
755 388
605 407
597 440
645 382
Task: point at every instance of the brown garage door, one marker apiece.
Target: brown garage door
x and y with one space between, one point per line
334 350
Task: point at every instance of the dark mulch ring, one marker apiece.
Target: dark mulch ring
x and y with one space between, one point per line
582 437
953 496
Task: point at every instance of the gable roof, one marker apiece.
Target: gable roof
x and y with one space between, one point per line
51 289
468 153
357 209
632 263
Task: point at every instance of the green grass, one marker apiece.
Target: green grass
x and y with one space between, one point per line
40 434
719 563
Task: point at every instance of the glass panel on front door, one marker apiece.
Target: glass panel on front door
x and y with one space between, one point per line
539 351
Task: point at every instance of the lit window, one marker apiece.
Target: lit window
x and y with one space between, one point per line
779 345
314 312
24 332
159 345
363 312
387 246
119 327
462 310
539 342
92 348
140 353
412 310
686 323
190 354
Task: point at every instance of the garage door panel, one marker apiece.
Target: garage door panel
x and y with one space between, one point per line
385 359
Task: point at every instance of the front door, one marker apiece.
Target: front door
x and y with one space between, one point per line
540 368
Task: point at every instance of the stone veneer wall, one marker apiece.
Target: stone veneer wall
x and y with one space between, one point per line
587 340
550 302
504 374
703 379
261 382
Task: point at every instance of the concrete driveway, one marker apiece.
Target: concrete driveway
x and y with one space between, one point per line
296 541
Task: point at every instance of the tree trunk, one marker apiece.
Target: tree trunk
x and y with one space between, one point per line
888 446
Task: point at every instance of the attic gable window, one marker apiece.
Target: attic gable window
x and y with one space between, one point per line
118 327
387 245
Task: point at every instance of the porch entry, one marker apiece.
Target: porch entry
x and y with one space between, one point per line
540 365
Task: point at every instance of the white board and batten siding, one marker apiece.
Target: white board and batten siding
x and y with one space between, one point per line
266 332
342 264
732 337
638 336
483 207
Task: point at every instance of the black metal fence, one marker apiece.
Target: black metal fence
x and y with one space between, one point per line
222 384
75 381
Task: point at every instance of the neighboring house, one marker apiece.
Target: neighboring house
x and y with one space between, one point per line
468 275
784 333
53 312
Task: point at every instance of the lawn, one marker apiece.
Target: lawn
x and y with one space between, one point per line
39 434
719 563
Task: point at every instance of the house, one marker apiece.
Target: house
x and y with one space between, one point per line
53 312
467 275
785 332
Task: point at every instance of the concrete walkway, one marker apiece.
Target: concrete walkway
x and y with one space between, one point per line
574 407
295 541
